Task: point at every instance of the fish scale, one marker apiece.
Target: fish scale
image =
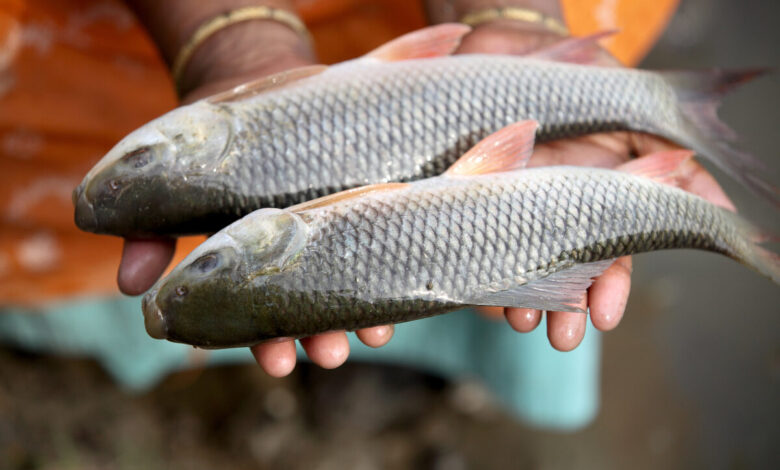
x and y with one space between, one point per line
443 107
416 254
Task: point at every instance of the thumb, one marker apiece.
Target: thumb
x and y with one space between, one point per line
143 262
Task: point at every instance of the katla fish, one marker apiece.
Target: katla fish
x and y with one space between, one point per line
404 112
400 251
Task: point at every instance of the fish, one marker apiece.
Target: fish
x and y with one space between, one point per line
404 112
488 232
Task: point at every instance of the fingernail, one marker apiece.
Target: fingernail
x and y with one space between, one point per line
382 331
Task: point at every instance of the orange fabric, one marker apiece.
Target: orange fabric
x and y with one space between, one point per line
76 76
639 23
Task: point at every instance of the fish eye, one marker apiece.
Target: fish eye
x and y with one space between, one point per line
138 158
181 291
206 263
115 184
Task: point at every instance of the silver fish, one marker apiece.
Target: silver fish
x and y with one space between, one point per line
401 251
385 117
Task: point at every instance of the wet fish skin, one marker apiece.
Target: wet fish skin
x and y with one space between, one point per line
143 183
356 123
434 246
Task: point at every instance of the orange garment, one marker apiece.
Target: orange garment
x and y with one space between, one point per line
76 76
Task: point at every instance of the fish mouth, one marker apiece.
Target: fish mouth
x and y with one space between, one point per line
153 317
85 217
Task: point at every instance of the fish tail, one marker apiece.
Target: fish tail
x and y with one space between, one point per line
699 93
748 250
765 262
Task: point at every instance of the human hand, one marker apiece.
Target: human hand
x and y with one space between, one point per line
607 297
243 52
234 55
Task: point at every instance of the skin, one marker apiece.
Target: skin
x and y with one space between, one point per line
212 69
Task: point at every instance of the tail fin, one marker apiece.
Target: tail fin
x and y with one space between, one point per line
699 94
765 262
747 247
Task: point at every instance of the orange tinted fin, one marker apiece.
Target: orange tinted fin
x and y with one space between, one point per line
345 195
663 167
433 41
505 150
584 50
271 82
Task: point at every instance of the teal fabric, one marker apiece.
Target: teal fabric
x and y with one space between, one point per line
544 387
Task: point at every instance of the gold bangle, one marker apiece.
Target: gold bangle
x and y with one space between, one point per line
514 13
213 25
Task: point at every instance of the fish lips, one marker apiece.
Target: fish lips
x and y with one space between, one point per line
85 216
154 321
150 206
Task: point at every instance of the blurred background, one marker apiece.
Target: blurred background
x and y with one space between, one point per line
690 379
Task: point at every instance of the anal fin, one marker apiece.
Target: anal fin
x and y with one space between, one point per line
560 292
663 167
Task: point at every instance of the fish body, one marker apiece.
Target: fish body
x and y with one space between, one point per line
528 238
361 122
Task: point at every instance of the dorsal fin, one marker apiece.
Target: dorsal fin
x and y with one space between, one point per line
345 195
584 50
433 41
271 82
663 167
505 150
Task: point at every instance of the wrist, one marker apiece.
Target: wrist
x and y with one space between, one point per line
443 11
240 53
233 54
507 37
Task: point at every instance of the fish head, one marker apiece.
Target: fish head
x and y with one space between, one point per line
223 294
147 180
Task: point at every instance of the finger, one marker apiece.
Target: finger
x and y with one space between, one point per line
608 295
641 143
493 313
376 336
524 320
327 350
276 358
143 262
565 330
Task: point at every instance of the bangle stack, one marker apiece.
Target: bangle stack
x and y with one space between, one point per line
211 26
517 14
